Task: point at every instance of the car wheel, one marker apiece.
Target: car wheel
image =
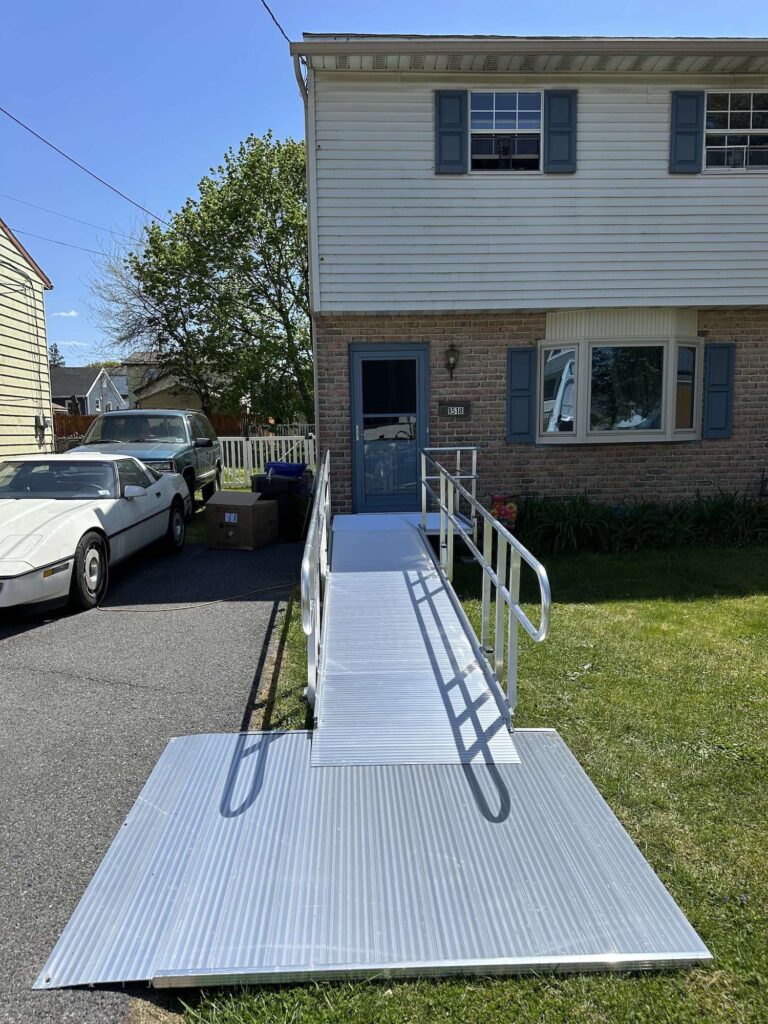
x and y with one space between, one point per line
90 573
177 527
210 489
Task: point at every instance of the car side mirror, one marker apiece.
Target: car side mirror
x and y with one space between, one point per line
133 491
203 442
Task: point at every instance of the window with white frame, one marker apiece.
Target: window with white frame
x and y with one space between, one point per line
629 390
505 131
737 130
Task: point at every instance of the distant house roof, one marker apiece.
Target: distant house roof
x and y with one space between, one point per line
24 254
73 380
140 357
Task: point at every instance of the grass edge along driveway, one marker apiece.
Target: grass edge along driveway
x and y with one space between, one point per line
656 674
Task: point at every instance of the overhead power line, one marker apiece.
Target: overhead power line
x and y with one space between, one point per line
75 220
56 241
280 28
83 168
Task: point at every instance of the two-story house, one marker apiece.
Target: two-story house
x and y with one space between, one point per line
553 248
26 418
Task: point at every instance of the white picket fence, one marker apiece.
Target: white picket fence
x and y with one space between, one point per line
244 456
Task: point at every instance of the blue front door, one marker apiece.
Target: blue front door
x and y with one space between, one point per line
390 401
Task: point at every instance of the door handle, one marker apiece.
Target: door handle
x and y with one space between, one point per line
357 431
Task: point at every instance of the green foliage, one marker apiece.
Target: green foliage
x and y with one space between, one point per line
220 298
577 524
55 355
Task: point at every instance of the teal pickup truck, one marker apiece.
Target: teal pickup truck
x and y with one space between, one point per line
169 440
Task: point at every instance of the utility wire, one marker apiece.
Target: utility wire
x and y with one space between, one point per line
56 241
280 28
76 220
83 168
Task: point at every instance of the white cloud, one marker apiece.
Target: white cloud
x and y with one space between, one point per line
67 313
84 345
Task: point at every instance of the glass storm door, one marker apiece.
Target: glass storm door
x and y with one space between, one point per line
389 425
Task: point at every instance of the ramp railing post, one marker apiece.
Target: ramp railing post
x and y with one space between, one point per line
485 617
498 638
515 566
443 541
450 517
473 492
423 492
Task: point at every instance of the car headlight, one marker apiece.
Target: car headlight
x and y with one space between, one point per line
163 467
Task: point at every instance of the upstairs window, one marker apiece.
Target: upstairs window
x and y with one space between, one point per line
737 130
505 131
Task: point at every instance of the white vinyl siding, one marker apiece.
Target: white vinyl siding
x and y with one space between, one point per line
25 390
622 231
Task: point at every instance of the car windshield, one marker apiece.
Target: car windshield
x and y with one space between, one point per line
55 478
152 427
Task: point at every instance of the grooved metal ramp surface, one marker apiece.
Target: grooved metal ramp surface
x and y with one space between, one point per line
240 862
402 678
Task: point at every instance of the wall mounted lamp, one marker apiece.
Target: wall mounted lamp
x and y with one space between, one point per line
451 358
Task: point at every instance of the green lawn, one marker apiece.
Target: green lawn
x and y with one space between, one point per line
656 674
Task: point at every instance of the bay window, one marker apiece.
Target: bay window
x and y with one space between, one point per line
629 390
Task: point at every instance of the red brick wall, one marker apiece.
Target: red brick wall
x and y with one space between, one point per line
609 472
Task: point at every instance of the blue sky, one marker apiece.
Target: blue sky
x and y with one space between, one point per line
150 94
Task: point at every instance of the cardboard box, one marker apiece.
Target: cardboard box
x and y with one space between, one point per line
240 520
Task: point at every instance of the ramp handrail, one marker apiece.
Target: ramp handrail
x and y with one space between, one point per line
314 571
504 577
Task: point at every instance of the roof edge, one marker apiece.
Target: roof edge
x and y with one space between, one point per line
323 44
46 281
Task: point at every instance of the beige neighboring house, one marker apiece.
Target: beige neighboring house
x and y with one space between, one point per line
26 418
151 388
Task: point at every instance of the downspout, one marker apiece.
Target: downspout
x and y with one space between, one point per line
305 100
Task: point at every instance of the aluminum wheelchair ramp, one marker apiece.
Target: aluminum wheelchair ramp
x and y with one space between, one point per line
240 862
402 680
406 835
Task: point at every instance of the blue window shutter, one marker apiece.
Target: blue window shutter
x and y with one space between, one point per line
719 364
451 141
521 394
686 138
560 131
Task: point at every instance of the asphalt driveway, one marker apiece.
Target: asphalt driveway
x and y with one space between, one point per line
87 703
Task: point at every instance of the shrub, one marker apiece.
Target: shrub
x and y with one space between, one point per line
578 524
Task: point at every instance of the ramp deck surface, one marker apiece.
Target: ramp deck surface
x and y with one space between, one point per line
402 678
241 862
427 842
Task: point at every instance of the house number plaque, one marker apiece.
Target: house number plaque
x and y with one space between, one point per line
455 410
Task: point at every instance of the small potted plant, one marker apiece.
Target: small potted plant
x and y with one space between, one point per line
504 508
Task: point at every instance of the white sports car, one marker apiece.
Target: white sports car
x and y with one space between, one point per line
64 519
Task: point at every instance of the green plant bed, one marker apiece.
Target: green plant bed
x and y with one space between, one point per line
656 674
552 525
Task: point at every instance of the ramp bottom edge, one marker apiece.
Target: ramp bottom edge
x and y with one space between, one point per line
513 966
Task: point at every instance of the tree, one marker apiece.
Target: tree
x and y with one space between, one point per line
220 298
55 355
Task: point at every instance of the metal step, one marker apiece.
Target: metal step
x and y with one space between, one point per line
242 863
